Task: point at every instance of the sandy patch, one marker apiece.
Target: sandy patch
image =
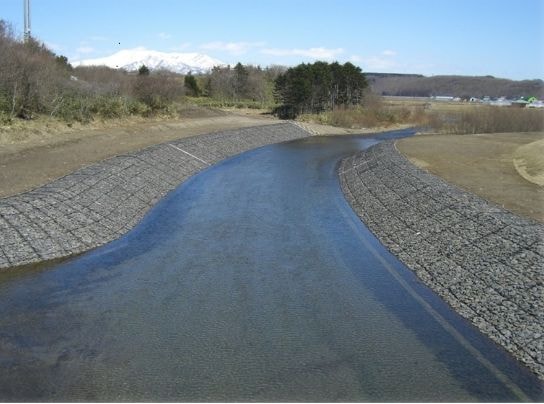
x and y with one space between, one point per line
325 130
529 162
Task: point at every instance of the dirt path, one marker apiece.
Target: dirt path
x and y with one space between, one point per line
485 165
32 158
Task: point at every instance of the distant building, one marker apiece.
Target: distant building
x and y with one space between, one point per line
501 102
443 98
536 104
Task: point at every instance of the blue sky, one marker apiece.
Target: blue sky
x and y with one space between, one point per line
431 37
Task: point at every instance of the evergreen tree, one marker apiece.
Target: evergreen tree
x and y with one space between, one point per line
319 86
191 85
63 62
143 71
240 80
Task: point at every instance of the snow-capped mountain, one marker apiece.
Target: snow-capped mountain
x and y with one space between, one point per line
132 59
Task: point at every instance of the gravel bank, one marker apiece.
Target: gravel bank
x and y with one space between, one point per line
99 203
486 262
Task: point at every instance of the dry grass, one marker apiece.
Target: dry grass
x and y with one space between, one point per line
438 117
44 128
470 118
373 113
486 119
529 161
483 164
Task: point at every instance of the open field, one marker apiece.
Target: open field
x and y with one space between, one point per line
485 165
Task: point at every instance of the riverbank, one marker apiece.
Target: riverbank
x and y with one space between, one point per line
99 203
474 244
35 153
483 260
505 168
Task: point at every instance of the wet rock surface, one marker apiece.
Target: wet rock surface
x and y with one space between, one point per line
486 262
99 203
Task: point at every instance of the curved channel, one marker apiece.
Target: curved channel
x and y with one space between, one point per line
254 280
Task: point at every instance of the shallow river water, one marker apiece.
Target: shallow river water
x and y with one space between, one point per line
254 280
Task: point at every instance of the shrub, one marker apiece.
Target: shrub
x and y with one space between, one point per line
73 109
135 107
369 116
108 107
157 91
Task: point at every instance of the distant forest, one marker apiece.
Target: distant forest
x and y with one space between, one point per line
413 85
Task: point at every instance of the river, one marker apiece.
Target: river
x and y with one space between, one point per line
254 280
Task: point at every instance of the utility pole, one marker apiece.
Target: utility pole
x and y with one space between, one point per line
27 20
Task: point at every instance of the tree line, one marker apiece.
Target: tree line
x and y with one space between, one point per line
464 87
306 88
317 87
236 83
34 80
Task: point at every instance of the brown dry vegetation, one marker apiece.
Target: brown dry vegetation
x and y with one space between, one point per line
34 81
372 113
438 117
487 119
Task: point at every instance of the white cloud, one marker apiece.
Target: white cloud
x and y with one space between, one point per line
164 35
384 61
355 59
235 48
313 53
182 46
391 62
85 49
378 63
98 38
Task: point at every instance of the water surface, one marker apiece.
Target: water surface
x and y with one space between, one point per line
254 280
